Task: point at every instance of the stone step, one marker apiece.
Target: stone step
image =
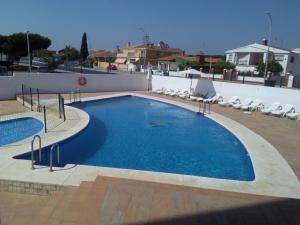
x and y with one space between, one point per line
95 203
28 187
73 205
70 205
54 208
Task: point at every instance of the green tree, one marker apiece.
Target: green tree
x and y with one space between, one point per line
3 40
184 65
110 59
50 59
3 45
69 53
84 52
15 45
273 67
220 66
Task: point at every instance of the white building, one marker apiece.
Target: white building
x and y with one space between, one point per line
248 57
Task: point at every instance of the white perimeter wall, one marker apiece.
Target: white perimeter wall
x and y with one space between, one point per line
68 82
228 89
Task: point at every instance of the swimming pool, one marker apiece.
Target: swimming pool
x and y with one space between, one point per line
18 129
137 133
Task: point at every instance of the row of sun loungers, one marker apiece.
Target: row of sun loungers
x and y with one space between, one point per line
247 104
275 108
185 94
179 93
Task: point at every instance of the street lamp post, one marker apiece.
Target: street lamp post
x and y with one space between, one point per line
209 64
28 49
268 43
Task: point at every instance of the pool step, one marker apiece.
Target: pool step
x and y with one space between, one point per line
72 205
91 203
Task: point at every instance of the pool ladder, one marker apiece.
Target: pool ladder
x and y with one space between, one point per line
204 108
51 155
32 150
75 96
56 145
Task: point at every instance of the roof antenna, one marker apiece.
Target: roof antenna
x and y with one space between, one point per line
146 38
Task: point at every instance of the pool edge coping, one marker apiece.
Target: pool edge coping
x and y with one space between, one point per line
266 176
264 183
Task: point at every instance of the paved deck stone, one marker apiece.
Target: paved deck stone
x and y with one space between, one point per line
121 201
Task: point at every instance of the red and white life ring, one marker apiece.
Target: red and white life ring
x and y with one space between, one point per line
82 81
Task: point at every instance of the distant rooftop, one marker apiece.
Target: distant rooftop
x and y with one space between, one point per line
102 53
260 48
155 47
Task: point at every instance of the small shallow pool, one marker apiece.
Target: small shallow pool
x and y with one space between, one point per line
18 129
137 133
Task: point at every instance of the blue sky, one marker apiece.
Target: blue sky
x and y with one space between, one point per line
212 26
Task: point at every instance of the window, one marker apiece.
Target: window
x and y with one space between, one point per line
230 58
131 54
292 59
143 53
242 62
279 57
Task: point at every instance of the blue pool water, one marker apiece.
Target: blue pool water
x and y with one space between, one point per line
136 133
18 129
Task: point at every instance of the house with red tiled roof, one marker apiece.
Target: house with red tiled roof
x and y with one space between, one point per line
140 56
102 58
171 62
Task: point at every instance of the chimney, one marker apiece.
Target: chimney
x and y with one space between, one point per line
264 42
128 44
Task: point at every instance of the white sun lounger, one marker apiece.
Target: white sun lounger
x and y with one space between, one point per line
214 99
293 116
255 105
233 100
288 108
182 92
273 107
245 103
200 99
196 98
169 92
184 95
193 97
173 94
159 91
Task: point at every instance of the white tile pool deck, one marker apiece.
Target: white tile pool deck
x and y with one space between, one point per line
274 177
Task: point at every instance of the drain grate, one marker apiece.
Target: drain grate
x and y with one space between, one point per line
156 124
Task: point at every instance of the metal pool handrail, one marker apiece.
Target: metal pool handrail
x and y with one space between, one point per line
75 96
204 107
32 150
57 155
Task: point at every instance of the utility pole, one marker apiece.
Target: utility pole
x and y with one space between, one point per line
268 43
146 41
28 50
210 64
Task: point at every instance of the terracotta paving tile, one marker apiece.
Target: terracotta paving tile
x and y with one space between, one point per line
122 201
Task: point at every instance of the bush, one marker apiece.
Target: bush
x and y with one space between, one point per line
220 66
273 66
